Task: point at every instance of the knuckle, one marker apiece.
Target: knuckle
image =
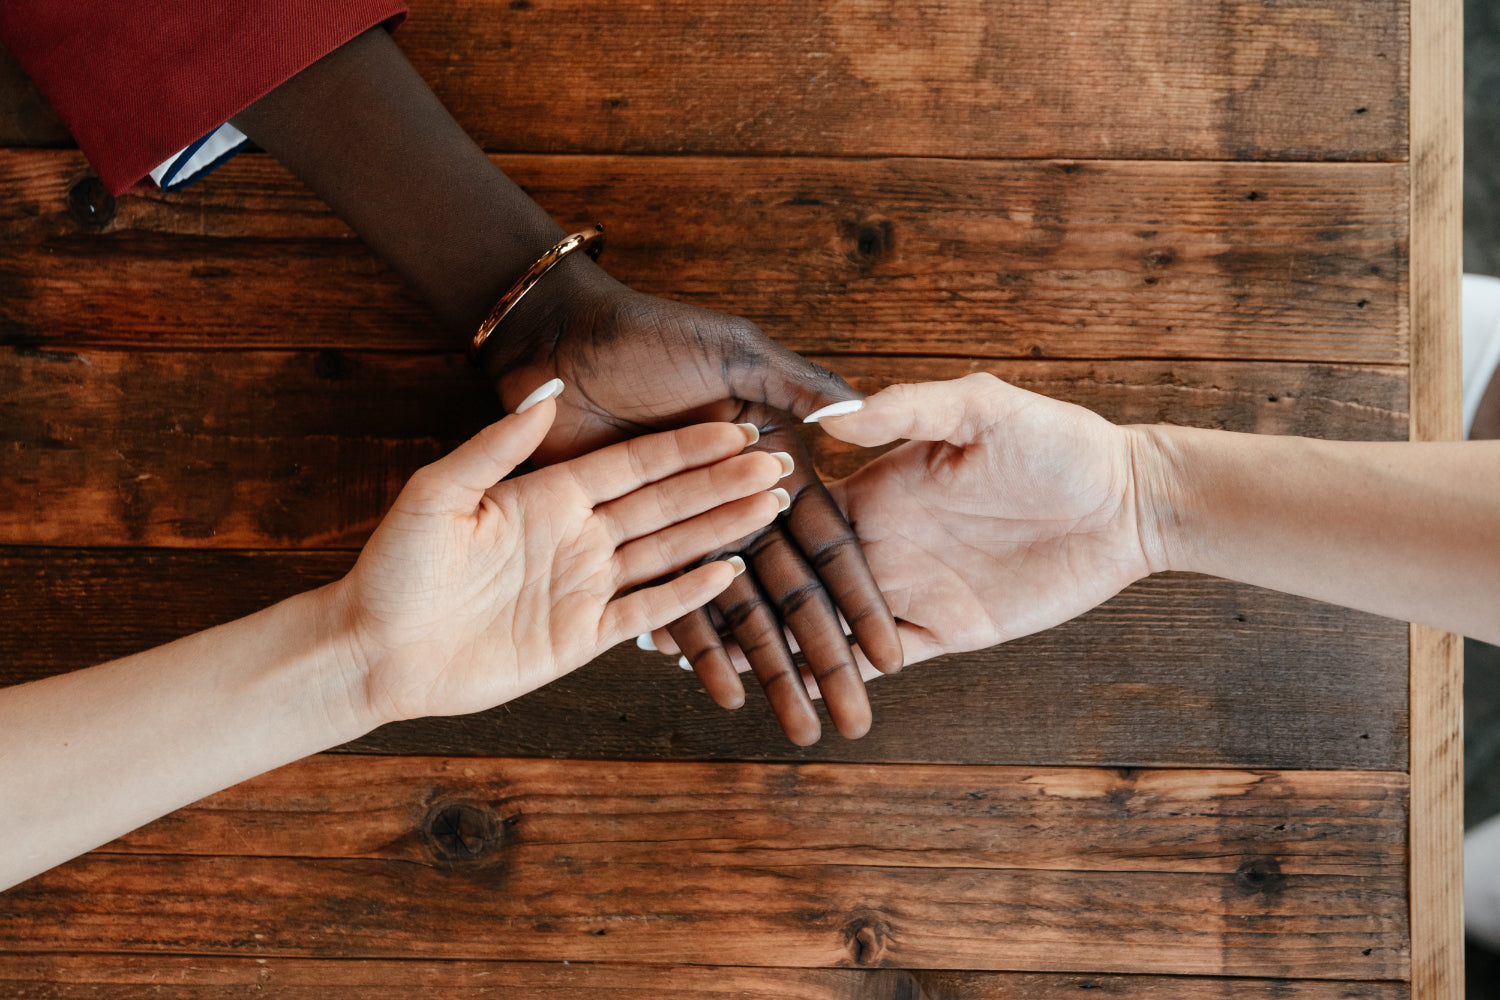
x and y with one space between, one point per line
779 680
806 597
837 549
741 615
767 647
825 671
762 545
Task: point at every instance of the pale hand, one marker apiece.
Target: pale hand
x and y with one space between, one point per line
1005 513
474 591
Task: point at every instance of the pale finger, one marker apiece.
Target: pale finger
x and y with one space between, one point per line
457 480
660 640
678 545
957 411
689 494
652 607
612 472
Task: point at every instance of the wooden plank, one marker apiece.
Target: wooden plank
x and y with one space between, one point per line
222 448
968 258
235 449
1178 670
715 814
1437 938
1287 874
171 977
1314 79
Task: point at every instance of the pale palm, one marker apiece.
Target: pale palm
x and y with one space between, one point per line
1021 517
469 595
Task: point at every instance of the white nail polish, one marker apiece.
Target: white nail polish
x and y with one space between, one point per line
783 498
787 465
644 641
684 663
547 390
835 410
737 563
751 431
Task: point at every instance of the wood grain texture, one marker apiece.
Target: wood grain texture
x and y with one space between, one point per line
26 119
713 814
967 258
1314 79
234 449
1295 874
1183 671
1437 938
200 977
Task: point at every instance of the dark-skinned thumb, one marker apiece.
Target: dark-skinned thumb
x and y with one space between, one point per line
787 381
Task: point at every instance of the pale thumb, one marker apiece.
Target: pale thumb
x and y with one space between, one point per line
463 475
956 412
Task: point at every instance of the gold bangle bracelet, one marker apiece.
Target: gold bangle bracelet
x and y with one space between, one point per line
590 241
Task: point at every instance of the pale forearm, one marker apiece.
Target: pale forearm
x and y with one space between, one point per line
1410 531
91 755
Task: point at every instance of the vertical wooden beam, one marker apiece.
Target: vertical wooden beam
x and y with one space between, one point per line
1436 843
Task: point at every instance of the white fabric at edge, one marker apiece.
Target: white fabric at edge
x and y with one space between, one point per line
221 141
1481 340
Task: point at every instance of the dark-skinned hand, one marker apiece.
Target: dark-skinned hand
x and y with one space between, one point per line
635 363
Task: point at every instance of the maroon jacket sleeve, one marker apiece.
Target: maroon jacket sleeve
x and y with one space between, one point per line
136 82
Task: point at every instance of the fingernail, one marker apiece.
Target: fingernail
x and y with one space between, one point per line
737 563
787 465
751 431
835 410
783 498
547 390
644 641
684 663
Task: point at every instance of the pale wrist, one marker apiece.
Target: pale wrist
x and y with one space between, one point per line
1163 509
342 681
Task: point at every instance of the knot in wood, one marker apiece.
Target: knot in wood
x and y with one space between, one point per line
1260 876
868 939
90 203
462 832
872 240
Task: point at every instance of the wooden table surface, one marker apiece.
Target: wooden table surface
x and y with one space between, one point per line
1228 213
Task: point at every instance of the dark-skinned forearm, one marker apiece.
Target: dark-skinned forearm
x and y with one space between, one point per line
366 134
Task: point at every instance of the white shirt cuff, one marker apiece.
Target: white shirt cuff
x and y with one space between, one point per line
197 159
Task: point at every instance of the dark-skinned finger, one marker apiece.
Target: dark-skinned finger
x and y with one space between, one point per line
808 612
833 550
750 618
698 639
